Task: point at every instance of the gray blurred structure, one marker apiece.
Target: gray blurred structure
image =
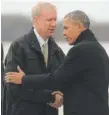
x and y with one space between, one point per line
14 26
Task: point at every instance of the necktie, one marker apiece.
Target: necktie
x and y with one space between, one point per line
45 53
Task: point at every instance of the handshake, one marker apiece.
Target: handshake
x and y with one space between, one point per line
58 96
16 78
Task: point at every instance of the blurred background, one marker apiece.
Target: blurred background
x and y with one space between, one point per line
16 20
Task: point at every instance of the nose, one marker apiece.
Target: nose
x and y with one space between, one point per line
64 33
53 23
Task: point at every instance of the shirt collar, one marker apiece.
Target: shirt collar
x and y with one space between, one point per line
40 39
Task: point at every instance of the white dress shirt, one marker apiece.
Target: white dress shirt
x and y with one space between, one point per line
41 41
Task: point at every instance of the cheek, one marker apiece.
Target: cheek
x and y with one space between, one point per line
47 27
70 33
71 37
44 25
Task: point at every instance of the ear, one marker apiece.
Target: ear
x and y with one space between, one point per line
35 19
80 26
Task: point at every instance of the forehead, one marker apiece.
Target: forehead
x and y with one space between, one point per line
48 12
67 22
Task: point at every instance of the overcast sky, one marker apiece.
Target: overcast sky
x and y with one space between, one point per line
98 10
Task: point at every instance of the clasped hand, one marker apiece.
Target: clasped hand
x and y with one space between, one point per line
58 99
16 78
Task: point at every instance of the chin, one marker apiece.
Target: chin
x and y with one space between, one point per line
70 43
50 34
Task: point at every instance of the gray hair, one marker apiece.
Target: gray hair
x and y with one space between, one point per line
41 5
80 16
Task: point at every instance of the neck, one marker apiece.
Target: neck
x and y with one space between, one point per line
40 34
83 29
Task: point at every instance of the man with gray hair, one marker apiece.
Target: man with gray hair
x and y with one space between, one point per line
82 76
36 53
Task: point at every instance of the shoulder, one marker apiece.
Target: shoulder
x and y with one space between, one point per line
88 46
21 41
52 42
87 50
19 44
83 48
56 46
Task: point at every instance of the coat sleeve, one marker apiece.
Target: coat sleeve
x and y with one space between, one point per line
60 55
13 59
61 78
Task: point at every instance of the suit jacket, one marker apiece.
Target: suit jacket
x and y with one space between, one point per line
83 76
26 52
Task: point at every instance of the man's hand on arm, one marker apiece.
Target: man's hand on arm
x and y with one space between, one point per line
15 77
58 99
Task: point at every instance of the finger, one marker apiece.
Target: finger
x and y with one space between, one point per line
8 79
11 73
59 101
19 69
10 76
56 105
51 105
57 92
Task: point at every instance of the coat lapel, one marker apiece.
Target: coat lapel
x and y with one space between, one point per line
86 35
34 44
52 49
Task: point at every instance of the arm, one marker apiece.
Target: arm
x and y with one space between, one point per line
13 59
66 73
60 55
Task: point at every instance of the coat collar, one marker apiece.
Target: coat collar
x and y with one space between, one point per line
33 41
40 39
86 35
